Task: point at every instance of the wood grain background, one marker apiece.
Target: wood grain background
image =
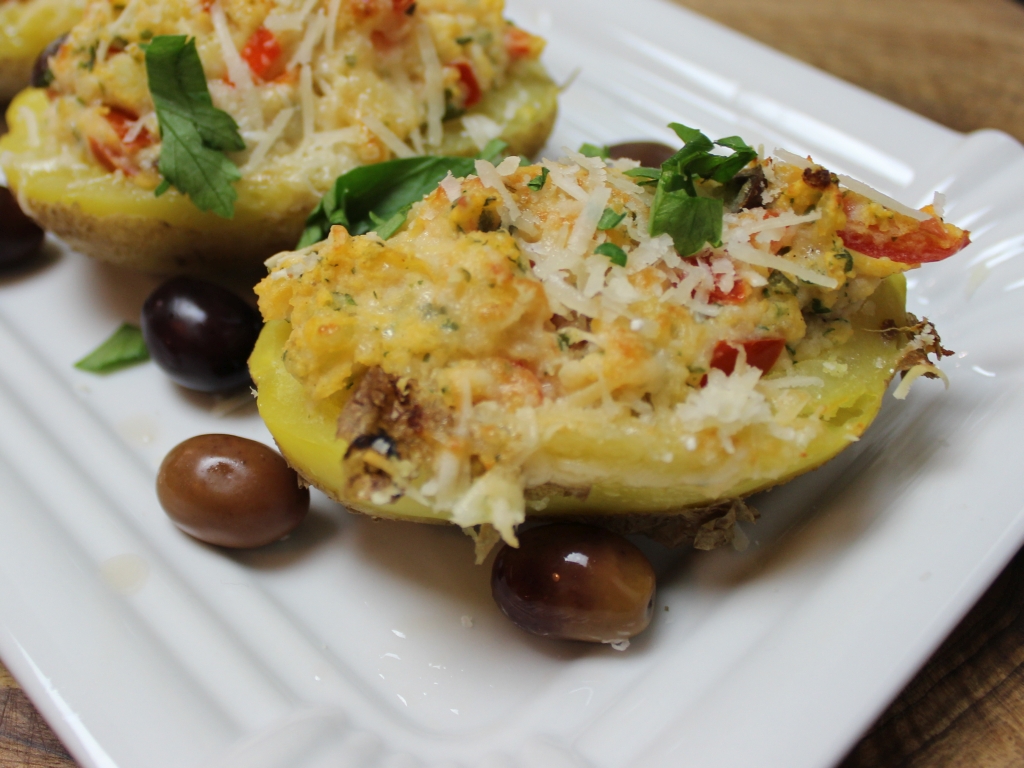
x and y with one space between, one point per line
961 63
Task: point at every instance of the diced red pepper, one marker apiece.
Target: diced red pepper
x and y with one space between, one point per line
120 156
261 52
121 121
905 240
518 43
468 78
761 353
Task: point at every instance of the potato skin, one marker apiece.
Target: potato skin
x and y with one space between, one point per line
111 219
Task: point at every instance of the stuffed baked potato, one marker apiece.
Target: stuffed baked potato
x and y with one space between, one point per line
525 345
315 88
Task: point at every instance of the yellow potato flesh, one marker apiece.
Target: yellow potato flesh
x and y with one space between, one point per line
108 217
624 465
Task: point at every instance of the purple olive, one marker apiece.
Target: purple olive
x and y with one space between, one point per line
574 582
200 334
42 75
650 154
20 237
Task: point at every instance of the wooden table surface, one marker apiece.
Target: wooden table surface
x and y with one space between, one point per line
961 63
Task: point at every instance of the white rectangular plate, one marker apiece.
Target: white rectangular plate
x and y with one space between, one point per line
357 643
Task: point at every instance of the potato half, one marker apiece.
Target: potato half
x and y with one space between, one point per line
525 345
110 218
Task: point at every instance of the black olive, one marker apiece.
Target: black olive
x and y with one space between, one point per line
650 154
42 75
200 334
20 237
575 582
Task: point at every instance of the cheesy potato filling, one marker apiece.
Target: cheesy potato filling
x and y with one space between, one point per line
316 86
522 302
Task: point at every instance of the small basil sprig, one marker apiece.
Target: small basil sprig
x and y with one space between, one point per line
678 210
378 197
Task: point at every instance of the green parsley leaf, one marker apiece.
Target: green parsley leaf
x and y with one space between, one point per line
610 219
616 255
645 175
594 150
694 218
125 347
537 182
194 134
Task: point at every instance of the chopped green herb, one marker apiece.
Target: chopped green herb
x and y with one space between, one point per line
351 60
594 150
537 182
616 255
146 34
780 283
343 299
91 61
465 39
449 325
847 257
194 134
564 342
610 219
818 308
125 347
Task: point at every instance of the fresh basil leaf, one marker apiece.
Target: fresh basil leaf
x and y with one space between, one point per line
610 219
125 347
537 182
493 150
616 255
384 188
690 221
194 134
594 150
388 227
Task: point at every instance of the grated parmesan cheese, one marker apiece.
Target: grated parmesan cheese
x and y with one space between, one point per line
387 136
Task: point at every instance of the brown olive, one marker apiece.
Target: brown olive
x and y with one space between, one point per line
575 582
650 154
230 491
